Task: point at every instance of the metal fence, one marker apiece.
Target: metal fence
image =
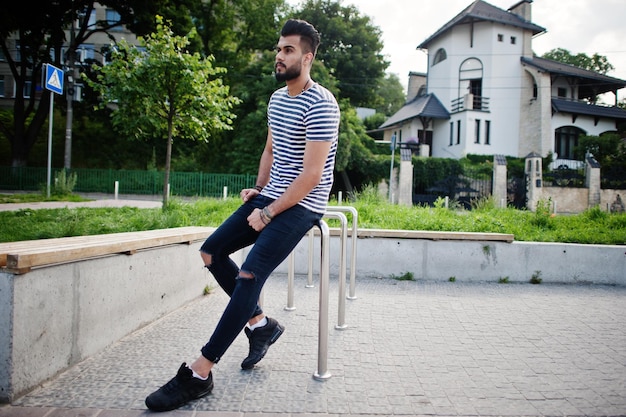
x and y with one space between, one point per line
129 182
463 186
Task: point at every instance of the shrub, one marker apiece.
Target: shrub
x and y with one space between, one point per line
63 184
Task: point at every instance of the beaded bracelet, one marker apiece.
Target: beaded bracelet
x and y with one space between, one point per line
267 214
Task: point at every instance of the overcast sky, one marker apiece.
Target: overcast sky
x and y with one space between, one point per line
589 26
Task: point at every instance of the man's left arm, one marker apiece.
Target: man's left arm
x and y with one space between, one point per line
315 156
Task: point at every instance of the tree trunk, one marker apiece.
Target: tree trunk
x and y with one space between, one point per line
26 134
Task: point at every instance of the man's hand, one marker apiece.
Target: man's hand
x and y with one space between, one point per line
256 220
248 193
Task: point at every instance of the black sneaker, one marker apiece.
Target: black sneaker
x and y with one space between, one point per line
181 389
260 340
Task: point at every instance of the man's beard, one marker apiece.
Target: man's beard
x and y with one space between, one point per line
289 74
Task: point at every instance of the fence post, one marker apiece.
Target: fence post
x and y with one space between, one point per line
499 190
592 181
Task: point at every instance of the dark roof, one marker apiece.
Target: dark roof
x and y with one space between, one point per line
421 106
596 83
480 11
581 108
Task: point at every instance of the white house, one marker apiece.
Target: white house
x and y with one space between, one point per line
486 93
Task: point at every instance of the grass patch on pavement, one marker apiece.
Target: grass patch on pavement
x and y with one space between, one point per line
593 226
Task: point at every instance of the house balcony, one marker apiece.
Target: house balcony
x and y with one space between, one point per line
470 102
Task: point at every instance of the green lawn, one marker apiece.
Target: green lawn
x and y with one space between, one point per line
593 226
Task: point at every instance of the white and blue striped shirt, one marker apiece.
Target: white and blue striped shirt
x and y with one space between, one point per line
312 115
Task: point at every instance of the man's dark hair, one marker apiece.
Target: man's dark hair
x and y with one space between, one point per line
309 36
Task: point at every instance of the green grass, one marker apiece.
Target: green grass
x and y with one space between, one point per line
34 198
590 227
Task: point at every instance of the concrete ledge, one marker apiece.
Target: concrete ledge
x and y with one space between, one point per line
472 257
57 315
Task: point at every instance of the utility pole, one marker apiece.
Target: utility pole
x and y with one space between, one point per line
69 94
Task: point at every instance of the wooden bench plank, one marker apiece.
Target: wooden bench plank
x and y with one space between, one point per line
435 235
21 256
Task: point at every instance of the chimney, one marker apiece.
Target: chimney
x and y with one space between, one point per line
523 9
417 85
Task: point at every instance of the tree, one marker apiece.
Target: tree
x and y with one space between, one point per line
351 49
33 33
609 150
596 63
390 95
164 92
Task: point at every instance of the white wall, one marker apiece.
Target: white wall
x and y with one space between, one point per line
586 123
502 84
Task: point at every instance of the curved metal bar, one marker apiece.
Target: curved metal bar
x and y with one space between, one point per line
341 305
354 237
322 345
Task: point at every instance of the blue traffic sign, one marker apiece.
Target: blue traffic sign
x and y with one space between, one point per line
54 79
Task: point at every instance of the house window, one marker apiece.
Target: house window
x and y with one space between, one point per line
85 52
440 55
451 133
26 90
2 57
458 132
513 40
561 92
91 22
471 81
477 131
535 91
565 140
113 17
1 85
500 37
487 132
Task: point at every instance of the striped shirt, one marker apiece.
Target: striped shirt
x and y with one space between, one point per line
310 116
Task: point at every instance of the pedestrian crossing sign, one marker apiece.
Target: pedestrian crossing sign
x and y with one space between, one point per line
54 79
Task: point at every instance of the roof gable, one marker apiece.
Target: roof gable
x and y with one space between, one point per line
422 106
481 11
596 83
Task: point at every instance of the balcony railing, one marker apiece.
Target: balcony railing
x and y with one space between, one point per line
470 102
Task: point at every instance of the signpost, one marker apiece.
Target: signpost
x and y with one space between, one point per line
53 81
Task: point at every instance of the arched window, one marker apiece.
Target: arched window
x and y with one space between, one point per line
471 80
440 55
565 140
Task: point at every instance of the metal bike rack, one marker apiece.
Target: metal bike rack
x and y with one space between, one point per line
333 212
353 237
341 319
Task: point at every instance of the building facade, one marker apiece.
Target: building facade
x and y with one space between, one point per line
486 93
101 21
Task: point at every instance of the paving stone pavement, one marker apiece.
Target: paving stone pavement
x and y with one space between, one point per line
411 348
